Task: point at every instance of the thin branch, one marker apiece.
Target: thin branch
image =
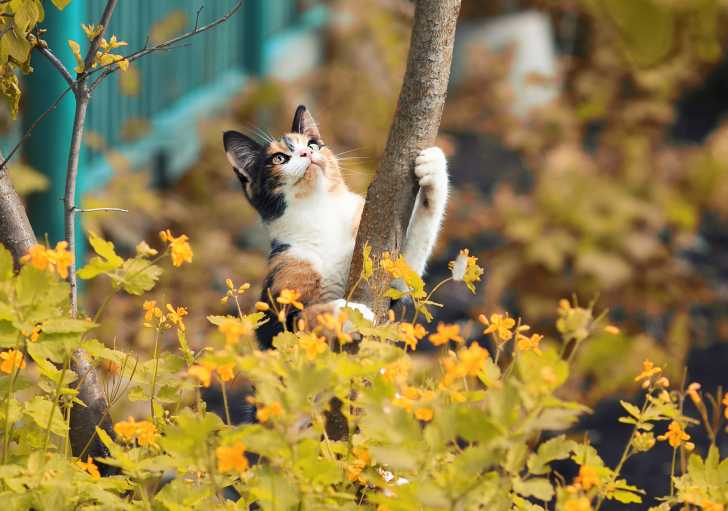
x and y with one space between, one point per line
30 129
55 62
104 23
103 210
111 68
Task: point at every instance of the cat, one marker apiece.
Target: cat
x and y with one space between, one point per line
296 186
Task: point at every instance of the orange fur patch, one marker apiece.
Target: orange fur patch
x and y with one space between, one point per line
292 273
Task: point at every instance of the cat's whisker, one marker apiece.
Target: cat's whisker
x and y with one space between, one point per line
349 151
260 133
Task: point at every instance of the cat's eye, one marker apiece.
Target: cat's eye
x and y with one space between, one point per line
279 158
314 145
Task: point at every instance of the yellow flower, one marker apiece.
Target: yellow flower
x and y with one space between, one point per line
693 389
202 372
529 343
76 50
424 414
225 371
725 403
179 247
587 477
92 31
643 441
648 371
61 259
399 269
465 269
290 297
334 324
11 360
675 435
473 359
149 306
90 467
397 371
578 504
175 316
265 413
499 325
143 432
411 334
34 334
313 345
146 432
232 458
37 257
611 329
361 461
262 307
233 328
446 333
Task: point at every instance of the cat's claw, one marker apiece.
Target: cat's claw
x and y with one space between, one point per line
342 304
431 168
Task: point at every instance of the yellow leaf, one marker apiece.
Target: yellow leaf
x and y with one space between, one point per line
76 50
61 4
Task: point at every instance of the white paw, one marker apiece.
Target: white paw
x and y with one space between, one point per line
431 168
342 304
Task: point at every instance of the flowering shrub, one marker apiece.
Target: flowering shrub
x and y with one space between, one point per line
349 414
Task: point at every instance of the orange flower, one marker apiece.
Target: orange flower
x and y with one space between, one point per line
334 324
202 372
11 360
175 316
411 334
61 259
265 413
90 467
149 306
180 249
233 328
225 371
473 359
143 432
725 403
290 297
313 345
262 306
424 414
529 343
498 324
693 389
361 461
578 504
675 435
37 257
648 371
587 477
232 458
446 333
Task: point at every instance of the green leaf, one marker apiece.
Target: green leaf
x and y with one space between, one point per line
67 325
138 276
39 409
557 448
105 262
6 264
631 409
539 488
473 425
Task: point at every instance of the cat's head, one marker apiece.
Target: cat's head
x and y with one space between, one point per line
275 173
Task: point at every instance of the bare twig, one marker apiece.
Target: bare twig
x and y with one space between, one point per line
103 210
146 50
55 62
96 42
15 230
30 129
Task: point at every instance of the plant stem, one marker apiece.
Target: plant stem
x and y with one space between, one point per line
6 429
154 374
225 402
56 397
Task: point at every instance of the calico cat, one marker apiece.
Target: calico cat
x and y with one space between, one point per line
312 218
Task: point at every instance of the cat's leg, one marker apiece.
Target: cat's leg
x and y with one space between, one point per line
431 172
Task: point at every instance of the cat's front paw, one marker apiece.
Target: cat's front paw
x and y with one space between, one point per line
431 172
342 304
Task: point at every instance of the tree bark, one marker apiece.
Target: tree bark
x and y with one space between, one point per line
392 193
18 236
15 231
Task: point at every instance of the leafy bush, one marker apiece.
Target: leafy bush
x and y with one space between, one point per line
349 414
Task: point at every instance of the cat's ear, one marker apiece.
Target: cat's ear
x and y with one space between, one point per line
241 152
303 122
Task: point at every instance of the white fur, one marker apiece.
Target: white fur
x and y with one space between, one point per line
319 226
431 171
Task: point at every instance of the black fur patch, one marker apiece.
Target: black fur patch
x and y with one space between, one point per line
269 204
277 248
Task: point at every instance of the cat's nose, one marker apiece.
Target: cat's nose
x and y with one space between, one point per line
304 153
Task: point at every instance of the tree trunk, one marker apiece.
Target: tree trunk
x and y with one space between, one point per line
15 230
392 193
18 236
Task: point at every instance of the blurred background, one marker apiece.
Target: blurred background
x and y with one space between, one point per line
587 145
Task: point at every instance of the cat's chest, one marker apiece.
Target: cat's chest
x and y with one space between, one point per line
323 232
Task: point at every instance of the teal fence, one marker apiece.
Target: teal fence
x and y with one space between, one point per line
176 88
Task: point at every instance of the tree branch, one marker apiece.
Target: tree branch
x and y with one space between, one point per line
15 231
392 193
96 42
111 68
55 62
